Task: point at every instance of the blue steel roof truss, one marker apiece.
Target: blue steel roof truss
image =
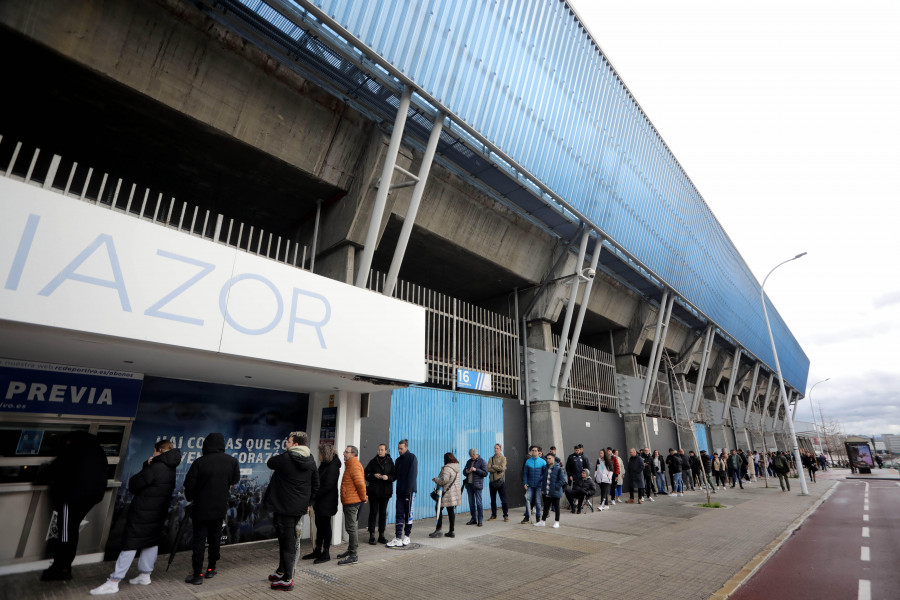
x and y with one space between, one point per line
619 175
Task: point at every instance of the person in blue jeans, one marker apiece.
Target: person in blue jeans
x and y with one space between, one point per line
475 472
673 461
406 468
658 465
533 473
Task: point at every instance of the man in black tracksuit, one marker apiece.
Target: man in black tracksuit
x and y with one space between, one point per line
575 464
207 485
77 479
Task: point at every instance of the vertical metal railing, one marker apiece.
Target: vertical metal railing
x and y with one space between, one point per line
65 176
592 383
460 335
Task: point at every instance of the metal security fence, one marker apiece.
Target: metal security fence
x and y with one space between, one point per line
462 336
58 174
592 383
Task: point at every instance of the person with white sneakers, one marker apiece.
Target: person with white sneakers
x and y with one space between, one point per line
552 490
152 488
406 468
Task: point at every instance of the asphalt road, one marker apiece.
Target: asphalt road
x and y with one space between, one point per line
848 548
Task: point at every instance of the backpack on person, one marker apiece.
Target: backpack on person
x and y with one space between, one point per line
779 463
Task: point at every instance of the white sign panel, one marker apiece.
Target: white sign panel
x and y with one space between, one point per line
65 263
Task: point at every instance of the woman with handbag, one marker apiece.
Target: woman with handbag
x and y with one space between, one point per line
451 497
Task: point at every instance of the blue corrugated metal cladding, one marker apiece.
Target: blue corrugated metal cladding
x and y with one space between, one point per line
439 421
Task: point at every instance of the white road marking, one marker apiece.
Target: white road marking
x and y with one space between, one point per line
865 590
864 553
865 532
866 518
866 506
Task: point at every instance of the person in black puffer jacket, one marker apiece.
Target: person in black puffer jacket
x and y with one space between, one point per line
325 503
77 480
380 479
152 488
207 485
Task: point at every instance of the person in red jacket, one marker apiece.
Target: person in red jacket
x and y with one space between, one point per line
353 496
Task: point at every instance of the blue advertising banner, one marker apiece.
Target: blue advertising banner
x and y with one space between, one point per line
31 387
473 380
255 423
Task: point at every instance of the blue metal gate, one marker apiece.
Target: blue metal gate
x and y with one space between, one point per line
702 438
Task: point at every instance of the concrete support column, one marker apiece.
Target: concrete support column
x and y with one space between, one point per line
540 336
719 437
635 432
347 433
546 427
771 442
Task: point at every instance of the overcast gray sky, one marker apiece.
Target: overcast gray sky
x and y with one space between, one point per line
785 116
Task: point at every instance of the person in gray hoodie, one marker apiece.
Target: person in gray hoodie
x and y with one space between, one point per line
207 486
294 482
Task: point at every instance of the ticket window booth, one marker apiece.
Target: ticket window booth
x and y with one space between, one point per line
30 437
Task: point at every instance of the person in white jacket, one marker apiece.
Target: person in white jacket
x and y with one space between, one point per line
603 475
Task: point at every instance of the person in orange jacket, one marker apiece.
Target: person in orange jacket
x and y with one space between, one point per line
353 495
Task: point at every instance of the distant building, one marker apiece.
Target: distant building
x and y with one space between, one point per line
891 442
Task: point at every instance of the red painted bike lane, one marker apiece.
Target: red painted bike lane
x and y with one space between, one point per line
826 557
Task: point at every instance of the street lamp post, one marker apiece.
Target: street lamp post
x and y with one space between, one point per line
804 491
814 411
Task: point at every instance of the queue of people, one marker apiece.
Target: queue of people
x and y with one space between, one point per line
298 485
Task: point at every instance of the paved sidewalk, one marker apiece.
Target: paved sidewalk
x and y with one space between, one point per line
666 549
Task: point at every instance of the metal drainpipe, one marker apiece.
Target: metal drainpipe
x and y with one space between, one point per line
315 240
525 371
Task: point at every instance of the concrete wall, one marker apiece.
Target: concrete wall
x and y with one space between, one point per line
515 433
374 430
605 429
666 437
